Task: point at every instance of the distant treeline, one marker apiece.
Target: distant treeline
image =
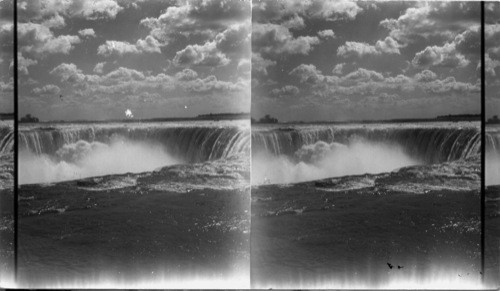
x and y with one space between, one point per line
29 119
493 120
6 116
223 116
210 116
266 119
459 117
454 118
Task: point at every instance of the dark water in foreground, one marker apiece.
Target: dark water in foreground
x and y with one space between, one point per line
417 206
138 229
341 233
140 205
413 200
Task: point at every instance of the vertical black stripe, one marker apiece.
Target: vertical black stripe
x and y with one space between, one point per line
15 140
483 140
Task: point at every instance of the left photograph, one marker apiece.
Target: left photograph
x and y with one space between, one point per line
6 144
134 143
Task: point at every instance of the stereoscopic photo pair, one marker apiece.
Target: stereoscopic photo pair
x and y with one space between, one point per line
238 144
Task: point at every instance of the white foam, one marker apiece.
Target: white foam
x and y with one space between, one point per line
322 160
83 159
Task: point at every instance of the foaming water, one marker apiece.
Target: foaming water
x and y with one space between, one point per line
87 159
61 152
492 155
6 137
323 160
492 169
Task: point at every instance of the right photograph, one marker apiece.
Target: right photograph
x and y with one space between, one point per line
492 175
366 144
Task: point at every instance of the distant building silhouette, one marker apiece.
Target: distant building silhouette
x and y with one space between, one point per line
494 120
268 119
5 116
29 119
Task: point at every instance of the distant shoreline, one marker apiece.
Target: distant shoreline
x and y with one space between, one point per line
246 116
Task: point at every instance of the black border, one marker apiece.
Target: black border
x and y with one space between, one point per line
483 142
15 186
15 167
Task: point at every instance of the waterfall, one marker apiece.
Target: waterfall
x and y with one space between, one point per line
429 144
192 143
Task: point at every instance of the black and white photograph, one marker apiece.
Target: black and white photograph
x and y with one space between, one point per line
249 144
6 144
492 155
366 145
134 144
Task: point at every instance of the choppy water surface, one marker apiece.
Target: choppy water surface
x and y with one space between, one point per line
372 194
141 205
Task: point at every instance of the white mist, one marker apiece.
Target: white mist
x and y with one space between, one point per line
83 159
322 160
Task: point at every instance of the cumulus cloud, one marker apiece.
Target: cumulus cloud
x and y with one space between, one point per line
201 18
244 66
202 55
327 33
388 46
39 40
56 21
491 65
329 9
126 81
212 84
285 91
307 73
87 9
235 40
120 48
296 22
99 67
186 75
7 86
276 39
87 32
49 89
364 82
364 75
450 85
425 76
359 49
352 48
260 65
418 23
23 63
68 72
338 69
446 56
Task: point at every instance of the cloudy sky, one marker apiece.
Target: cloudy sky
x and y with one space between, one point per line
492 58
158 58
322 60
6 56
